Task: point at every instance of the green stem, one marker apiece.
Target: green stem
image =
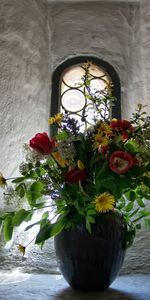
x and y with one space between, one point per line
137 219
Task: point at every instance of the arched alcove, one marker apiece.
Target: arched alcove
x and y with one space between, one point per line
79 60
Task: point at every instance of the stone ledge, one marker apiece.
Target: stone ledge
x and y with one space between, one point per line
15 286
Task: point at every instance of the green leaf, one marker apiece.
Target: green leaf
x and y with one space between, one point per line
134 212
121 205
110 184
140 202
129 207
130 234
88 226
148 167
37 187
36 223
29 198
20 189
81 189
34 193
19 179
22 192
90 219
124 182
138 226
48 231
147 223
91 212
132 146
121 202
102 170
132 196
33 175
94 159
8 228
63 135
45 215
146 181
20 216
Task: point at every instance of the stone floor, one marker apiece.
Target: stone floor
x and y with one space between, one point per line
20 286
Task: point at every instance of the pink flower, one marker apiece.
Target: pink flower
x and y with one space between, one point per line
42 143
120 162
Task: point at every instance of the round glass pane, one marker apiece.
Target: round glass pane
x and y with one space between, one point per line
97 85
73 100
73 76
96 71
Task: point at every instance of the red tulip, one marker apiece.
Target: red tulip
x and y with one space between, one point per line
42 143
120 162
75 175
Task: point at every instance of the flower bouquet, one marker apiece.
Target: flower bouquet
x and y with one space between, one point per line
77 175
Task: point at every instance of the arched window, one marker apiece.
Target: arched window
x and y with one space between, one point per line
71 92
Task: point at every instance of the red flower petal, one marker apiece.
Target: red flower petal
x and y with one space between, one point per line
75 175
120 162
41 143
121 125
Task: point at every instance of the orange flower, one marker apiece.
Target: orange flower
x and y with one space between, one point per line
58 158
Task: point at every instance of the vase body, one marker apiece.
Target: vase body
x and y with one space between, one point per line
91 262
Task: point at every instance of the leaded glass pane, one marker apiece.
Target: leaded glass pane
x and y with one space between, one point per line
79 88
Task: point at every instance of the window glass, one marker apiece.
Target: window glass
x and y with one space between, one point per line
69 93
79 85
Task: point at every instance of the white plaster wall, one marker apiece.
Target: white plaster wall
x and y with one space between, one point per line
145 48
24 101
24 78
103 30
34 39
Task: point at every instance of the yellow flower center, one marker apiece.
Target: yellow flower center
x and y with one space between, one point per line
104 202
2 181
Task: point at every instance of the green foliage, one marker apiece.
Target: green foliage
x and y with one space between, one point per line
8 227
20 216
49 230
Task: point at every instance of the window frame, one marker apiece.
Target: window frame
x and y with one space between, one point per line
56 77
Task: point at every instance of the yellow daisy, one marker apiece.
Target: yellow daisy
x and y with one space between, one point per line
2 181
104 202
21 249
56 119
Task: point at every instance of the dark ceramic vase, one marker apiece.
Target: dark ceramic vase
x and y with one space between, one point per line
91 262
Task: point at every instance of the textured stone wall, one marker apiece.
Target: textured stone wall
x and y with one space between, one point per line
110 31
145 47
34 39
24 97
24 77
138 256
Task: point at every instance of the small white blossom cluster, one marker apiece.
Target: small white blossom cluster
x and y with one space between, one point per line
67 150
32 155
